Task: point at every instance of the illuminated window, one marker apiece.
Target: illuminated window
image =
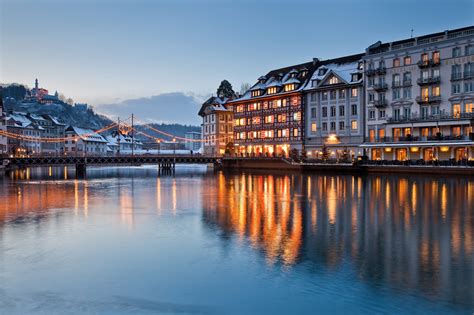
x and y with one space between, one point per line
278 103
256 93
407 61
469 107
456 110
436 58
269 119
256 120
313 127
297 116
396 62
435 91
272 90
289 87
354 124
284 133
295 132
333 80
354 92
281 118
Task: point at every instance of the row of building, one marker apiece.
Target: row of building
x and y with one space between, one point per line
407 99
26 134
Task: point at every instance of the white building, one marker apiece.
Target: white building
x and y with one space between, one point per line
193 141
123 144
82 142
420 96
334 108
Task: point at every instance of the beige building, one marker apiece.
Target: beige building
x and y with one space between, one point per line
217 126
420 96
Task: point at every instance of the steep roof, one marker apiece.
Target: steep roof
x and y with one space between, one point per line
214 103
86 134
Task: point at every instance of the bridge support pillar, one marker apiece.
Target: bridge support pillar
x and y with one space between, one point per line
80 170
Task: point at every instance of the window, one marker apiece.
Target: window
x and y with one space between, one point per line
407 93
325 126
424 59
333 126
456 110
297 116
434 110
333 94
355 77
371 97
435 91
333 80
354 92
272 90
396 62
313 112
396 79
342 125
269 119
396 94
469 50
281 118
333 111
325 112
382 113
407 112
372 114
313 127
313 97
342 93
407 61
354 124
295 132
424 112
342 110
456 88
256 93
314 83
396 113
456 52
354 109
407 77
289 87
436 57
325 96
469 86
469 107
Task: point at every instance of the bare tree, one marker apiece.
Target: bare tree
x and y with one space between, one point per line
244 88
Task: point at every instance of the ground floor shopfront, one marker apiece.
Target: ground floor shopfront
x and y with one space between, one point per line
266 149
420 151
333 151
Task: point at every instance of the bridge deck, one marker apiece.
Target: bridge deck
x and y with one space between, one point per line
107 160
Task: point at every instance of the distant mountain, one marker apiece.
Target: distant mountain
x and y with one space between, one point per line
174 129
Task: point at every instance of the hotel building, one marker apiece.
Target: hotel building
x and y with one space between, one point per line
420 96
335 108
268 118
217 129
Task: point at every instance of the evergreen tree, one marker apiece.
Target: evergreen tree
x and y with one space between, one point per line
225 89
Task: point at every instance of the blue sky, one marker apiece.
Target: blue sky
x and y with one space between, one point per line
108 51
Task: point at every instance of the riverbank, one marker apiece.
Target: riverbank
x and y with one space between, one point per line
280 164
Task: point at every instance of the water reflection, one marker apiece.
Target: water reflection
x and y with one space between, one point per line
411 233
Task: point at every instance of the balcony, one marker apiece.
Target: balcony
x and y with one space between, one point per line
432 99
428 63
380 103
380 87
419 118
456 76
428 81
378 71
406 83
468 74
381 70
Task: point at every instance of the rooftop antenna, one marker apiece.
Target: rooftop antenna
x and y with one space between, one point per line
411 33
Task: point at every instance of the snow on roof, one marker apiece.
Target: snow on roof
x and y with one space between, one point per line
55 120
342 70
273 82
37 117
113 140
88 135
20 120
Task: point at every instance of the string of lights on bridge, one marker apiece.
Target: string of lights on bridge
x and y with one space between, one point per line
122 126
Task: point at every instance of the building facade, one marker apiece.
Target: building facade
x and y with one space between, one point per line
217 126
420 96
268 118
193 141
27 139
81 142
334 111
3 128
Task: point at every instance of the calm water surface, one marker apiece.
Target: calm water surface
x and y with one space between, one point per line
129 241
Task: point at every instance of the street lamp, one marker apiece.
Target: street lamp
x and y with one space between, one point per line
174 146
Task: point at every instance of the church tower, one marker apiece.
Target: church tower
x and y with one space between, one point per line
36 84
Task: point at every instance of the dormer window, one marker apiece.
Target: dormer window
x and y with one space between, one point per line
256 93
321 71
333 80
355 77
304 73
272 90
314 83
290 87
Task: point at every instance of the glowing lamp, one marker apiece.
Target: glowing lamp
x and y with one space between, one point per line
414 149
444 149
388 150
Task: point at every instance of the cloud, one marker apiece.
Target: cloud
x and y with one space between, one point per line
176 107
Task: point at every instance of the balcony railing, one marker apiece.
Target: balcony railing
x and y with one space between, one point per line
379 70
410 138
380 87
429 63
428 81
421 118
380 103
432 99
468 74
456 76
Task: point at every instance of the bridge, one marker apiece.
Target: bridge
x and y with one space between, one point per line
164 162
